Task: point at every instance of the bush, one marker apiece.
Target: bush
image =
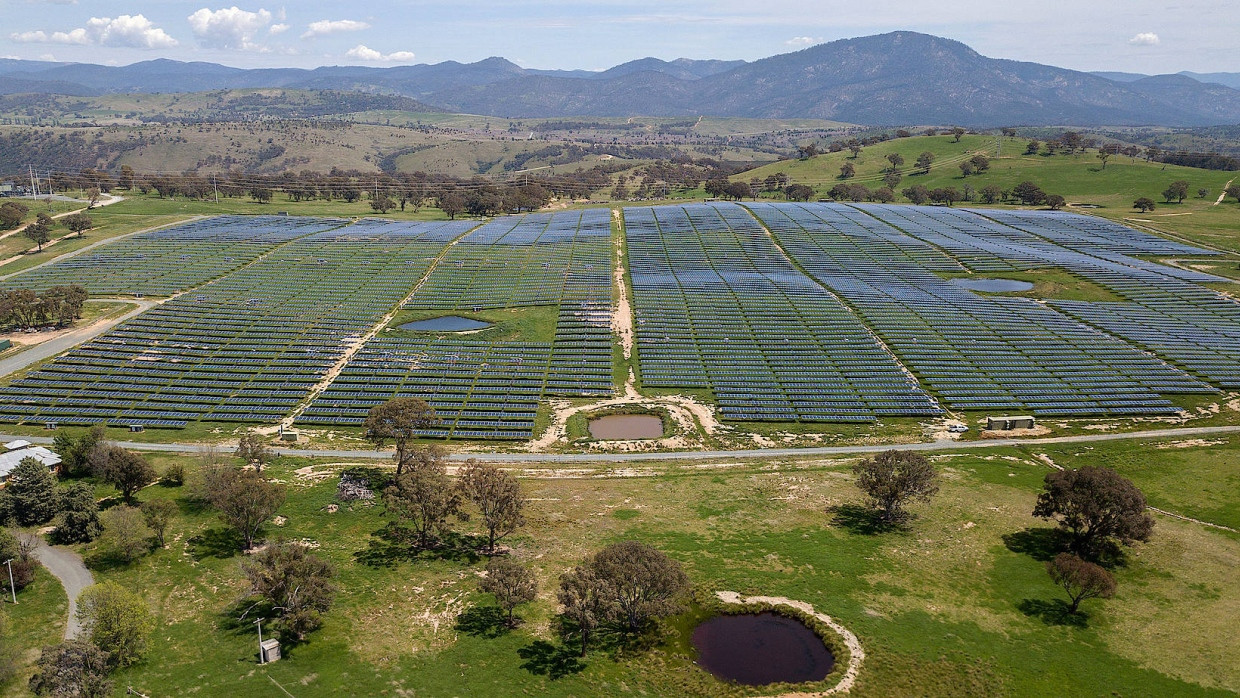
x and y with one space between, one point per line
117 621
174 475
33 493
72 669
78 520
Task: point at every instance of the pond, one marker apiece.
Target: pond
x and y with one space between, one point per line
447 323
625 427
761 648
994 285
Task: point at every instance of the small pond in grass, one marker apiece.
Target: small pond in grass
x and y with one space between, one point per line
447 323
625 427
994 285
761 648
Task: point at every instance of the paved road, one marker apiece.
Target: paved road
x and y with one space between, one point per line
52 347
562 458
72 573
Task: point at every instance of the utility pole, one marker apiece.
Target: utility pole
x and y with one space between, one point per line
261 658
999 142
217 188
12 586
34 183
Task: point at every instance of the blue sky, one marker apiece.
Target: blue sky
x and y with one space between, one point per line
1132 35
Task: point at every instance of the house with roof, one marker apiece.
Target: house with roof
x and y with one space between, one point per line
17 451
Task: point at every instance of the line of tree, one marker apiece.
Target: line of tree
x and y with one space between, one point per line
25 308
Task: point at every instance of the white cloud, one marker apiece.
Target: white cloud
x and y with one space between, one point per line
1145 39
134 31
231 27
803 41
324 27
278 29
362 52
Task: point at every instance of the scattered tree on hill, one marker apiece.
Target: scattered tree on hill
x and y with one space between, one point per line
1033 147
252 450
807 151
511 583
117 621
1080 579
1029 193
497 495
78 223
893 479
884 195
918 194
891 180
847 170
991 194
967 168
399 420
582 596
896 160
1097 506
452 204
424 498
92 197
40 231
1233 191
125 470
382 204
244 498
125 532
945 195
157 514
958 133
981 163
126 179
854 146
924 161
32 493
72 669
1145 203
1104 154
798 192
1177 190
1202 193
12 213
640 582
1055 201
78 520
261 194
287 579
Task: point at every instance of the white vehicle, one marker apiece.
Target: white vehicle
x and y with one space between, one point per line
957 428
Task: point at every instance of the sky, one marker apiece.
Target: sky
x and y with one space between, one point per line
1146 36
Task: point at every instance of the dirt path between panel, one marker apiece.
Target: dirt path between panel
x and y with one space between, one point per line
622 314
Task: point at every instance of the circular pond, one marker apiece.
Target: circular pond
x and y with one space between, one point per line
447 323
626 427
994 285
761 648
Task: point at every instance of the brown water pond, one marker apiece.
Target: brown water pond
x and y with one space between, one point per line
760 648
625 427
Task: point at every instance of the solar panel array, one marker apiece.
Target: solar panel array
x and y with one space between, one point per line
718 306
484 389
165 261
247 347
973 351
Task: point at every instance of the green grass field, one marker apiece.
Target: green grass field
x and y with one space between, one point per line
957 604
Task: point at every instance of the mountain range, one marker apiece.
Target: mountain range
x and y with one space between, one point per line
900 78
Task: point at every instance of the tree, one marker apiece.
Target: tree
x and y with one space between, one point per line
1097 506
78 223
945 195
1145 203
1080 579
244 498
75 451
847 170
893 479
798 192
24 564
92 196
399 420
918 194
1202 192
261 194
1233 191
1177 190
1104 154
640 582
896 160
891 180
1029 193
991 193
884 195
32 492
1033 147
382 204
511 583
981 163
497 495
123 469
12 213
581 595
1055 201
117 621
252 449
924 161
157 514
958 132
296 585
78 520
452 204
125 532
126 179
72 669
424 498
40 231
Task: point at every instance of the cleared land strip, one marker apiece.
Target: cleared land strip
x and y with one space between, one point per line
685 455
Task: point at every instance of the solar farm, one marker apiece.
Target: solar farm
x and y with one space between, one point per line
800 313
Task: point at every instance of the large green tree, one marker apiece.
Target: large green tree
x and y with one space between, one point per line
893 479
1097 507
117 620
32 493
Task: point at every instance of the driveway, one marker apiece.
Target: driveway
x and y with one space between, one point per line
68 567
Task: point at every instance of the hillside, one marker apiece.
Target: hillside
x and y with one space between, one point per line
898 78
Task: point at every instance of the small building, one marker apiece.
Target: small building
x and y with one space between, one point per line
1009 423
17 451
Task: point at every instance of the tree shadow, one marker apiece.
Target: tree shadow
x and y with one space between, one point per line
1041 544
483 621
545 659
394 544
221 543
860 520
1054 612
